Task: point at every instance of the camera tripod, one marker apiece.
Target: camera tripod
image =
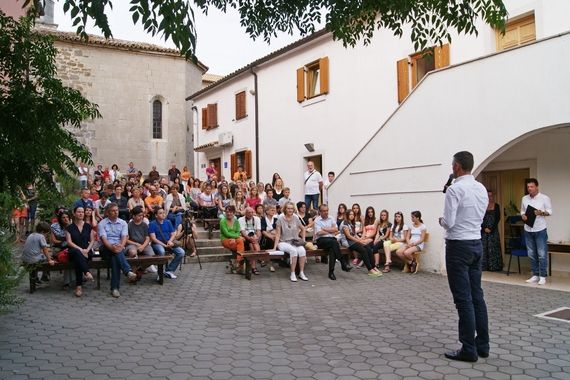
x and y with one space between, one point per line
187 234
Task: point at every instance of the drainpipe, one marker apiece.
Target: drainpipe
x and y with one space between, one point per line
196 142
256 126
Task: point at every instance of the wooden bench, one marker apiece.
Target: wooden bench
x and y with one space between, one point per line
99 263
417 256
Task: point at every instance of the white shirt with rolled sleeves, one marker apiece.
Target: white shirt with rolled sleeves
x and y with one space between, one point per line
540 202
321 224
465 205
312 182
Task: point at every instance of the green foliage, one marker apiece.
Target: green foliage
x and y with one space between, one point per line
34 108
349 20
10 273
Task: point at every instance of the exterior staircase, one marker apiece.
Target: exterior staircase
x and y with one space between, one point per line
209 250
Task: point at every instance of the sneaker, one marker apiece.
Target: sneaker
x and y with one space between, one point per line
532 280
169 274
303 277
542 281
293 277
152 269
115 293
132 276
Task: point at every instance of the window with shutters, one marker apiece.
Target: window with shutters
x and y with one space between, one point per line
517 32
243 159
240 105
210 116
412 69
157 119
313 79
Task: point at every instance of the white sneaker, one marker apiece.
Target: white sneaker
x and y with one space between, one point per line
293 277
132 276
303 277
542 281
115 293
170 275
532 280
152 269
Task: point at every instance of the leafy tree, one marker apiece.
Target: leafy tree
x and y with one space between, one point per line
348 20
34 108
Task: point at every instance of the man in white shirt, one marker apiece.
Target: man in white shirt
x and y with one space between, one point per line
326 184
325 231
313 185
465 204
535 233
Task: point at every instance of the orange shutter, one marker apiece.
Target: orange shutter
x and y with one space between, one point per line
204 118
403 79
301 84
324 68
441 56
248 167
212 115
233 165
240 105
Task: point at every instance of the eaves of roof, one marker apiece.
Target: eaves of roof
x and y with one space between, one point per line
112 43
260 61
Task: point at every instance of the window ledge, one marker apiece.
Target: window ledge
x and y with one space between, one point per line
314 100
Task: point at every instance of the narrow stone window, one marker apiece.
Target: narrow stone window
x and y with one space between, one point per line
157 119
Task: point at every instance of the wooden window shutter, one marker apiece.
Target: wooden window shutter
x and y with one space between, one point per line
240 105
324 68
441 56
247 164
301 84
204 118
212 115
233 165
403 79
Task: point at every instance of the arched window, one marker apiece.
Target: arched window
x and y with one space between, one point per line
157 119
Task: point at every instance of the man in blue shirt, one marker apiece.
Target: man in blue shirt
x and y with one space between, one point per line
113 233
162 235
84 201
465 205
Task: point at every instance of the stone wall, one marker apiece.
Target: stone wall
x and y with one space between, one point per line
124 83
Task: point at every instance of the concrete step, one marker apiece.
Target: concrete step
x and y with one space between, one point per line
202 234
209 258
213 251
208 243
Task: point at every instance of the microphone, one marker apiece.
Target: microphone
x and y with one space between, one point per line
448 183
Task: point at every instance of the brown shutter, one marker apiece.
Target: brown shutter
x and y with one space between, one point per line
212 115
301 84
204 118
247 165
240 105
233 165
403 79
324 68
441 56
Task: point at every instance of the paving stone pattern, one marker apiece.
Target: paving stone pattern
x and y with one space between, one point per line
211 325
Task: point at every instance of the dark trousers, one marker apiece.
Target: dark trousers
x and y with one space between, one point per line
364 253
118 263
80 264
463 261
331 246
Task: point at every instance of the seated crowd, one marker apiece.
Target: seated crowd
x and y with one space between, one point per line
123 216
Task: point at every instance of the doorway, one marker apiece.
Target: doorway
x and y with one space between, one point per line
318 161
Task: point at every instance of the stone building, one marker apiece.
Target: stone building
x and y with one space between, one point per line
140 90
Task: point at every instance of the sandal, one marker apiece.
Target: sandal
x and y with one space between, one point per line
271 268
255 271
387 268
78 292
193 254
413 265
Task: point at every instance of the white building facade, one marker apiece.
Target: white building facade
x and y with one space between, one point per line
354 108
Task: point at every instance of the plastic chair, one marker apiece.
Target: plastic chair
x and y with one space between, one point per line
518 249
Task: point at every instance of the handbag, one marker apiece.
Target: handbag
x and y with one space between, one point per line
298 242
63 256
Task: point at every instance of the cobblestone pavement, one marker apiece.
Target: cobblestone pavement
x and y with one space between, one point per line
211 325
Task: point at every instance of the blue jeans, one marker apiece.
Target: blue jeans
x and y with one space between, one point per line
175 219
178 256
537 248
314 198
118 263
463 261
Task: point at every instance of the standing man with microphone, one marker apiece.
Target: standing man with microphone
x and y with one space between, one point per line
465 204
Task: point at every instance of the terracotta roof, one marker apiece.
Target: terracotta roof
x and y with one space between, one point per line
211 77
261 60
206 146
119 44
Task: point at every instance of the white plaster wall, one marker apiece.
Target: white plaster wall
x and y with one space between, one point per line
481 106
243 130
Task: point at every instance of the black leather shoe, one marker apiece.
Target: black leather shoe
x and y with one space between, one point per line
483 354
461 356
332 276
346 268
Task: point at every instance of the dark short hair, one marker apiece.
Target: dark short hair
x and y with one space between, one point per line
331 173
465 160
136 210
301 204
230 208
532 180
43 228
